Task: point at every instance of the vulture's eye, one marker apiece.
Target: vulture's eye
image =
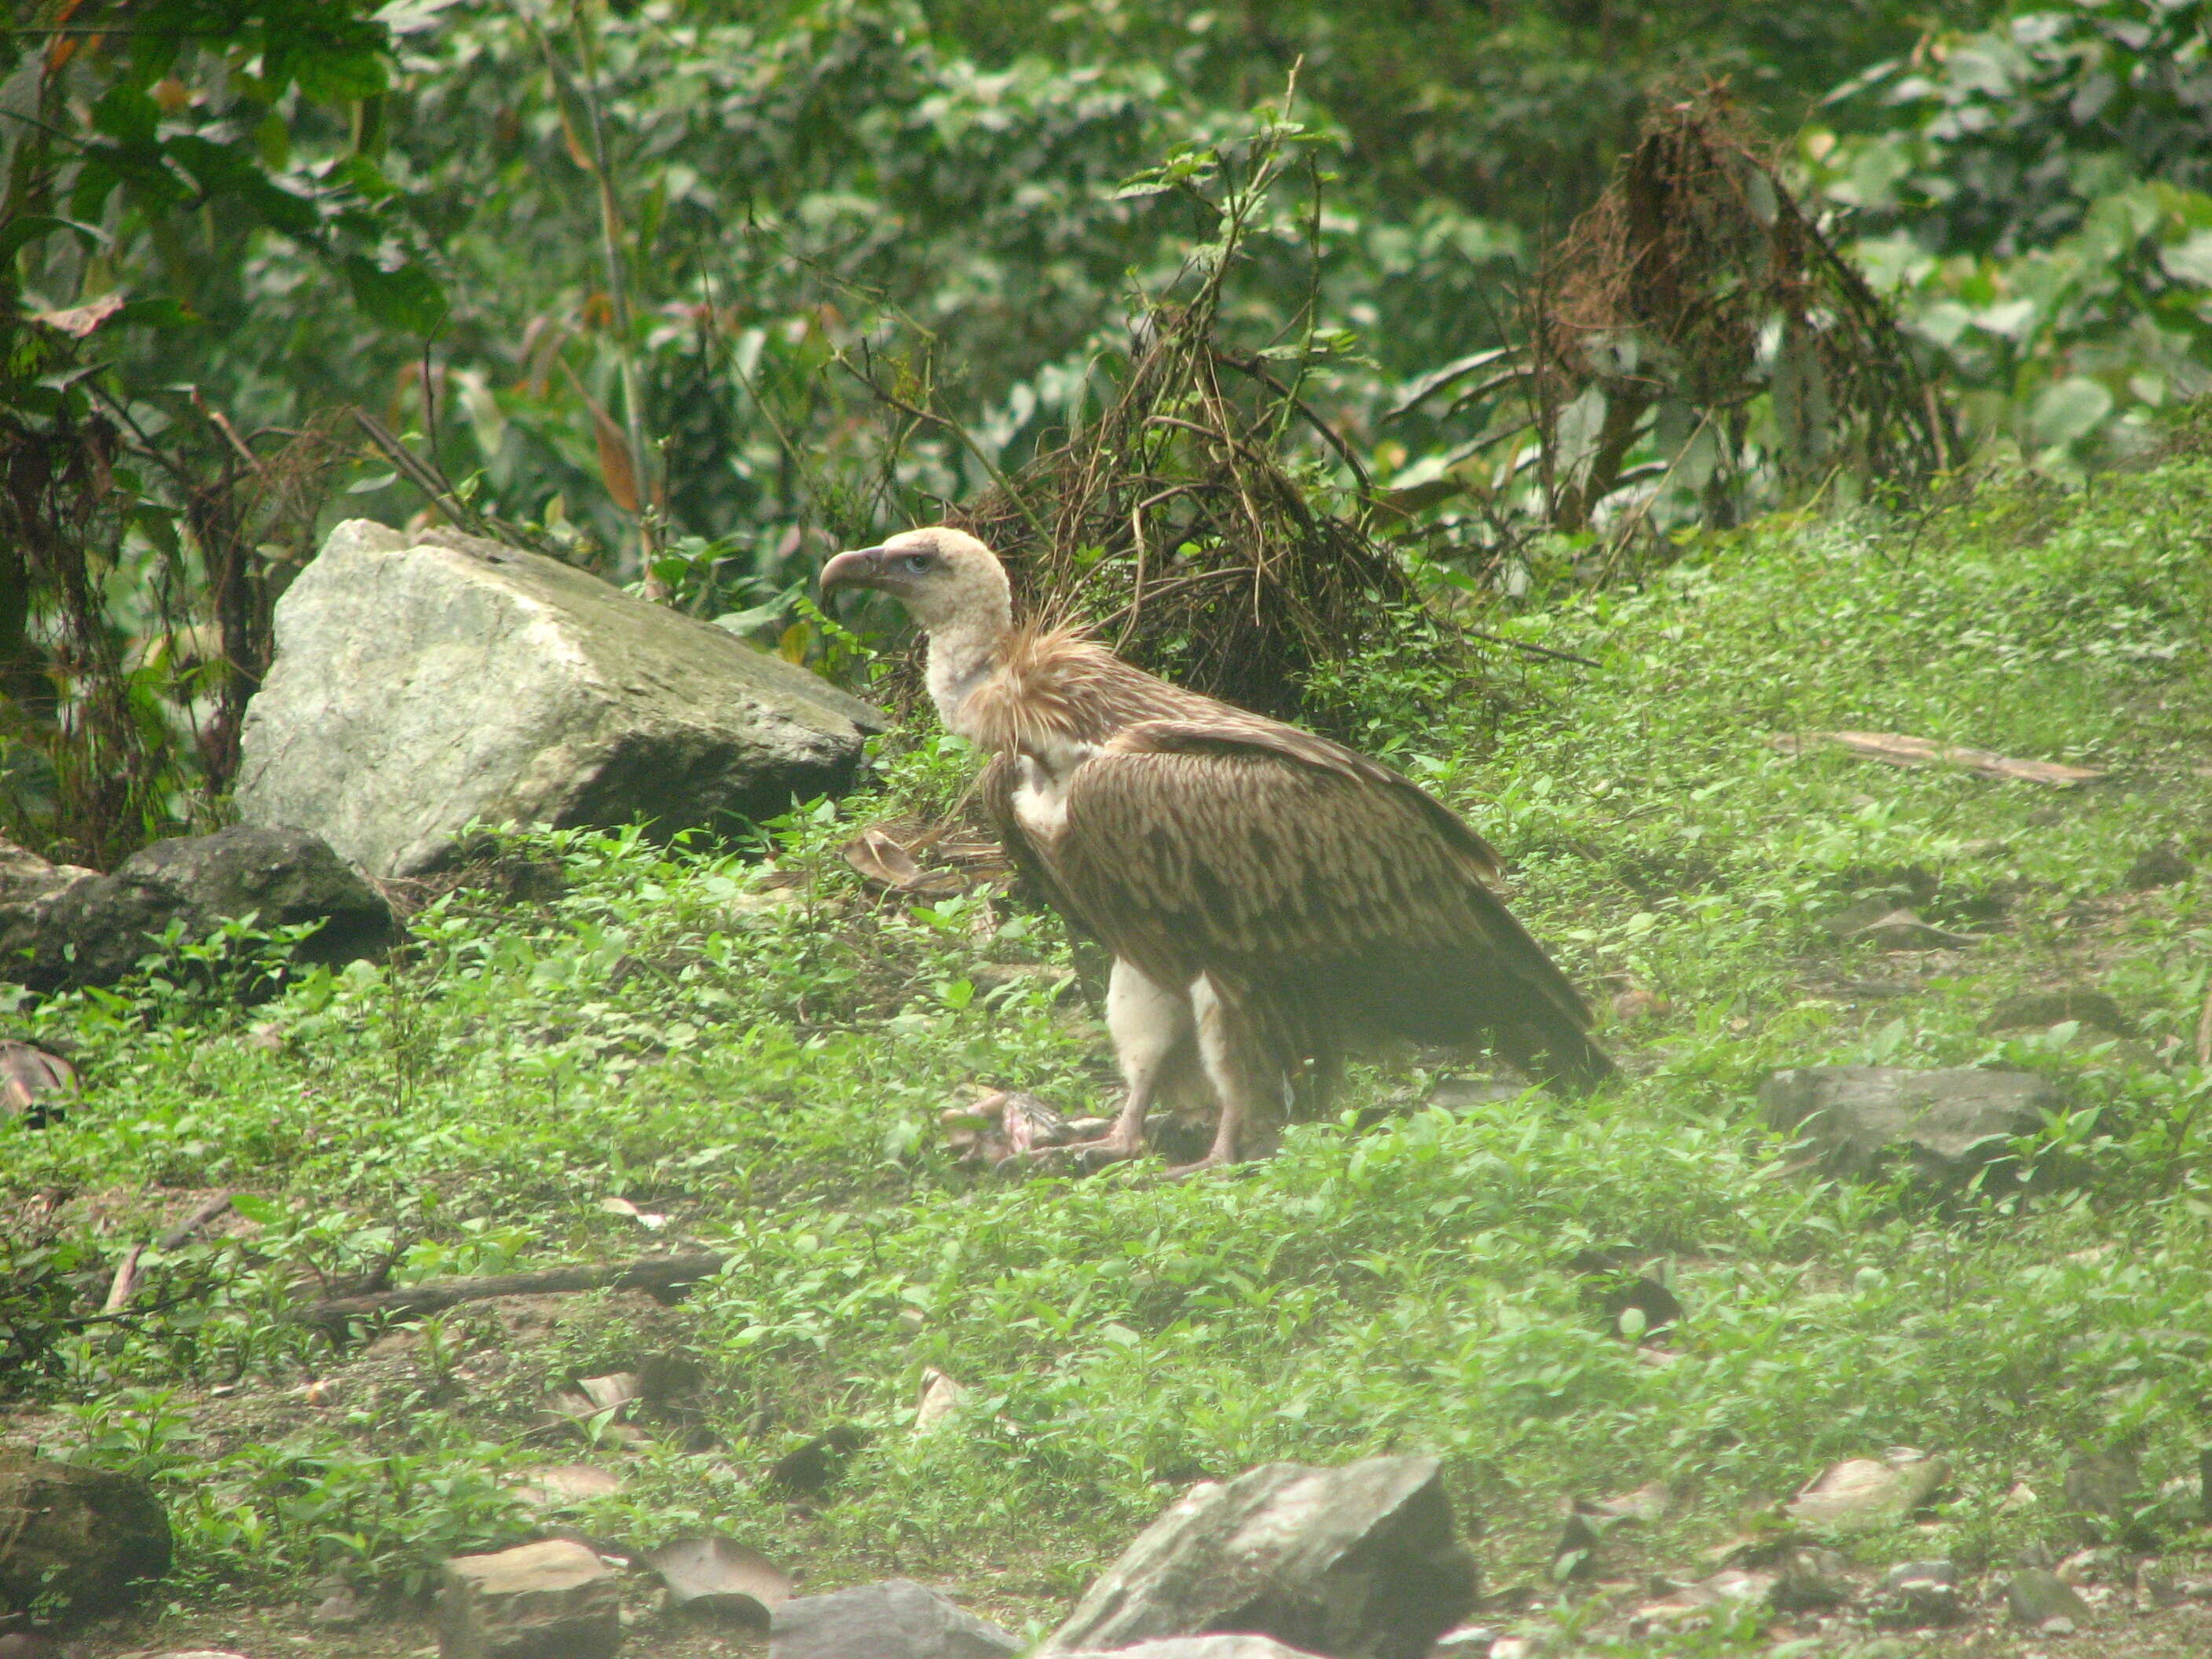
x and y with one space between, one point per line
917 563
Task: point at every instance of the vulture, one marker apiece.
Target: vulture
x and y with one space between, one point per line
1268 897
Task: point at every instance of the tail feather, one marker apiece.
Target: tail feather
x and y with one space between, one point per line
1555 1051
1452 998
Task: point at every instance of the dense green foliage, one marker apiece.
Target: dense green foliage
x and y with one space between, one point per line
2038 192
765 1069
690 296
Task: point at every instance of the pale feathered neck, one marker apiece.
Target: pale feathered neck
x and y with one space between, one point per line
964 653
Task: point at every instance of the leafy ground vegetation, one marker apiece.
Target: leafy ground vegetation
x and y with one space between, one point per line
600 1046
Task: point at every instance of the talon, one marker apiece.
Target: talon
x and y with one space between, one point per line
1088 1155
1185 1171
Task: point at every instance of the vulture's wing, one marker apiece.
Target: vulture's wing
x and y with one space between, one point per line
1035 873
1314 874
1253 737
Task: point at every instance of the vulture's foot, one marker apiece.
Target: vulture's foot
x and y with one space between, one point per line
1185 1171
1081 1156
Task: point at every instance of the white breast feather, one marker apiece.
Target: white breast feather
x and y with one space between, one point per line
1041 791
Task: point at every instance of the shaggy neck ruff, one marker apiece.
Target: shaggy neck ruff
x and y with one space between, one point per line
962 652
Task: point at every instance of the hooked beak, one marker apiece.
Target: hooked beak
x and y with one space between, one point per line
863 567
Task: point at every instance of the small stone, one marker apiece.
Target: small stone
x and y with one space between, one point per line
1574 1558
1853 1496
2154 1585
2161 865
1647 1503
719 1576
1811 1580
2083 1006
558 1485
1209 1647
940 1399
1945 1126
2043 1600
1904 929
337 1608
1467 1642
2086 1567
1729 1587
897 1620
1922 1593
1906 1573
2103 1483
555 1600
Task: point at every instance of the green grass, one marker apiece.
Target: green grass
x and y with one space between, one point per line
769 1075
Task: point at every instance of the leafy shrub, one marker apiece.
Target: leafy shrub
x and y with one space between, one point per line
2036 196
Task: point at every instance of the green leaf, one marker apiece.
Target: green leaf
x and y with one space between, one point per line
408 299
2068 408
19 234
337 78
262 1212
158 314
2189 261
126 113
1450 374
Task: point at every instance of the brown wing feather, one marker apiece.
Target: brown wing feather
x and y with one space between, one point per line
1295 868
1252 735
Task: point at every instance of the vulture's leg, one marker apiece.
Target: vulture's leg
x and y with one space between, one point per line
1149 1023
1227 1046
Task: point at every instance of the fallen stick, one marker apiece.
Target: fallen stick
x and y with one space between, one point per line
652 1273
181 1234
125 1281
1895 749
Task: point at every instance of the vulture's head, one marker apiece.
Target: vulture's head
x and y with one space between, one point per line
946 579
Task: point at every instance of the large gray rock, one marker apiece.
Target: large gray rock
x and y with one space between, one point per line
555 1600
424 681
896 1620
1945 1125
1353 1563
95 931
90 1538
29 886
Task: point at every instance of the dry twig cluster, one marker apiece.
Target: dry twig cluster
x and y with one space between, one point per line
1693 284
